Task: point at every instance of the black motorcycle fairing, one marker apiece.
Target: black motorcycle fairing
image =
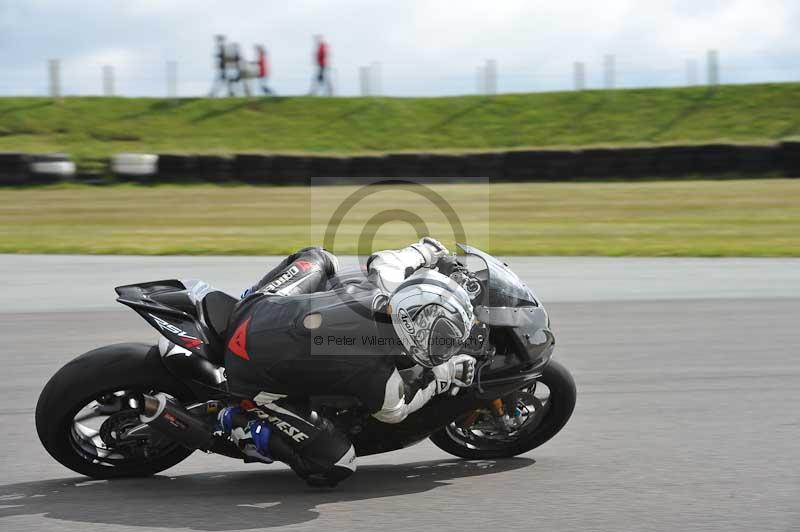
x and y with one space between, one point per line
169 308
206 379
519 323
518 350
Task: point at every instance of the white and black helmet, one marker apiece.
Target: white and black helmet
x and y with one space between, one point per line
432 316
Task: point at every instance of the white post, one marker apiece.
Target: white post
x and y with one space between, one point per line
608 68
172 79
54 76
691 72
363 76
713 67
491 76
480 80
108 81
580 75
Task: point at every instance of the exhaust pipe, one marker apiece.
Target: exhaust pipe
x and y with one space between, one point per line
174 421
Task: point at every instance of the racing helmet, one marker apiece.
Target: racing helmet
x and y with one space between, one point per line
432 316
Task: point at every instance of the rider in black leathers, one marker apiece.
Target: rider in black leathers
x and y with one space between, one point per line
299 333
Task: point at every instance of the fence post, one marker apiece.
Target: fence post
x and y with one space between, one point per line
108 80
491 76
54 77
691 72
713 67
580 75
172 79
608 68
363 77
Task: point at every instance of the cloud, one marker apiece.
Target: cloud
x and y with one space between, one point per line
424 46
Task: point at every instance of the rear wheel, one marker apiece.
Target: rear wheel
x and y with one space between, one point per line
87 414
533 415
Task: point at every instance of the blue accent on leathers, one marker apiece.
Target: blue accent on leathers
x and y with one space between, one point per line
260 431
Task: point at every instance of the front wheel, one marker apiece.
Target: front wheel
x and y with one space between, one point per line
533 415
87 414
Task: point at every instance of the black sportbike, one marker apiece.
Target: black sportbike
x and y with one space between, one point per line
136 409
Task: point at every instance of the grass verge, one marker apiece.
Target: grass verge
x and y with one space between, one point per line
685 218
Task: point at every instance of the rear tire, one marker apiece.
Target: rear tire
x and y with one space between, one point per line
563 396
91 375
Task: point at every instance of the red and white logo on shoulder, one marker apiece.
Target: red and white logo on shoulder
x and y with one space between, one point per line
304 265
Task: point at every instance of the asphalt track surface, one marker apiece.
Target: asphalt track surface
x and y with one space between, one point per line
688 413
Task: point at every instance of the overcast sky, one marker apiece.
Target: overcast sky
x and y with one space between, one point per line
425 47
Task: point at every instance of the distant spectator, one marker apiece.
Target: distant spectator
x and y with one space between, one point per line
262 64
238 69
220 61
322 60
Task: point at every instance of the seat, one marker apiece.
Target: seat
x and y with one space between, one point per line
217 309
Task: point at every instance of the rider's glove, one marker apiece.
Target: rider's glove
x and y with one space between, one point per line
458 371
431 250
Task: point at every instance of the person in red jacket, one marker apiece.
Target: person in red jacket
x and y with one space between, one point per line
262 65
322 60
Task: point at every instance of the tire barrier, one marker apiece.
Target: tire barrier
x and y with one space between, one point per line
790 158
252 168
406 164
215 169
173 167
329 170
483 165
441 167
541 165
663 162
134 166
521 166
290 169
754 160
714 159
369 166
674 161
13 168
50 167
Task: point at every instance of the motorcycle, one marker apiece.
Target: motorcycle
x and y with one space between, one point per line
132 409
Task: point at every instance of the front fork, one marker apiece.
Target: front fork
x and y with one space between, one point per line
498 409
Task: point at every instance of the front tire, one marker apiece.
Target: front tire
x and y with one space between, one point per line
562 399
99 374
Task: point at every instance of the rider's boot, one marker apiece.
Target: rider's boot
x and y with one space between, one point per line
252 436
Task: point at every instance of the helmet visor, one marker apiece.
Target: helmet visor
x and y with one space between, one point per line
444 341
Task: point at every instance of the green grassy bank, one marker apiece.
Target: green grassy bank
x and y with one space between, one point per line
92 127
